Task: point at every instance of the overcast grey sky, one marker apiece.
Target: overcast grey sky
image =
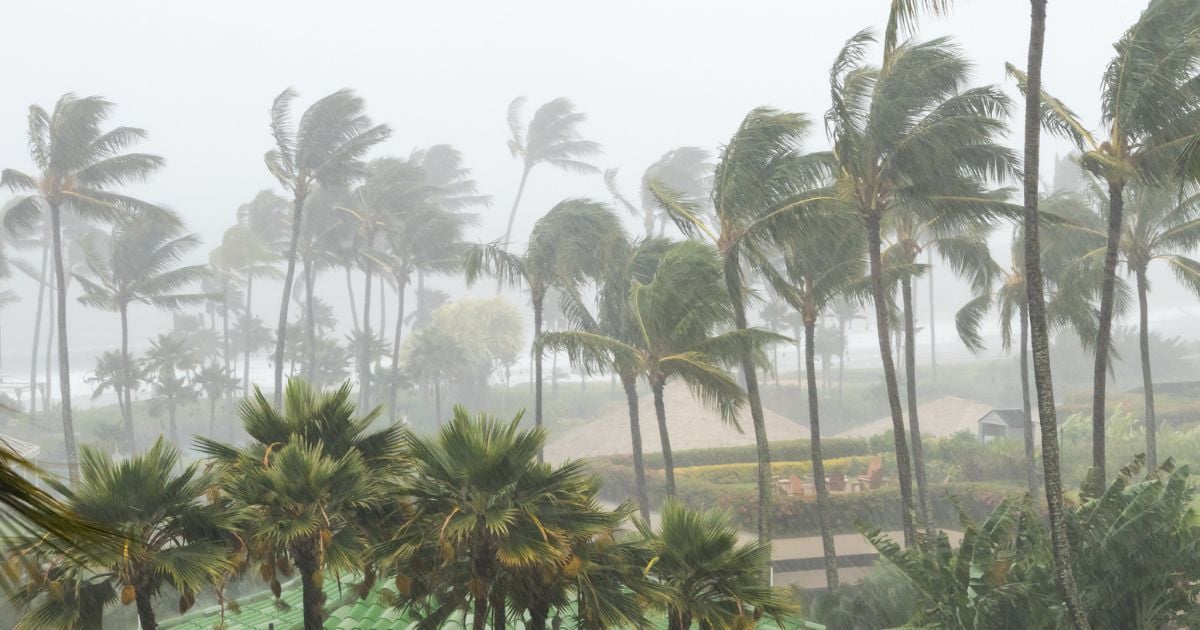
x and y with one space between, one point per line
199 76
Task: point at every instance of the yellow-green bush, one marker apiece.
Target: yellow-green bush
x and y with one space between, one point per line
747 473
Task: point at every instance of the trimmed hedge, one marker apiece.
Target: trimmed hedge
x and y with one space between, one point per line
786 450
748 473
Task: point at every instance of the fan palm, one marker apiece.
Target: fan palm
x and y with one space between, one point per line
1148 116
173 535
711 580
907 136
215 380
115 373
167 364
675 317
551 137
309 472
78 165
573 243
761 186
490 511
138 264
686 170
325 148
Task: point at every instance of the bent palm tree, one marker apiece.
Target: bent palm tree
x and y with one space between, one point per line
78 164
686 170
1147 101
552 137
138 264
325 148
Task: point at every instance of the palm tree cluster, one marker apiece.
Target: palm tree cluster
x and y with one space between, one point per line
917 173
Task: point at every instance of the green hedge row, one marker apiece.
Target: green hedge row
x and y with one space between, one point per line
787 450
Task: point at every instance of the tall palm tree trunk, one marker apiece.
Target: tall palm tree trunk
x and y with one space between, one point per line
1151 425
932 331
910 386
538 302
64 363
1116 205
306 555
48 360
629 383
246 340
288 279
350 294
733 285
394 386
1040 337
122 390
310 322
499 611
512 214
37 331
145 609
664 436
1027 407
818 461
174 427
841 368
364 346
879 297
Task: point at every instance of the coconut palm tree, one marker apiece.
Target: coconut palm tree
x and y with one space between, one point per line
482 500
168 364
824 265
1039 336
573 243
310 471
551 137
711 579
78 164
675 317
172 535
215 380
686 170
325 242
908 134
323 149
139 264
762 185
115 373
1147 117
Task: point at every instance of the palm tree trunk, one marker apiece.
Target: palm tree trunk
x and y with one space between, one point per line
145 609
733 284
1040 338
225 351
1027 407
1116 205
879 297
499 613
212 417
932 331
841 368
480 617
394 386
364 346
910 383
310 322
350 293
1150 423
246 319
122 390
64 363
305 555
37 332
288 279
512 214
538 613
48 360
538 298
818 461
171 418
629 382
664 436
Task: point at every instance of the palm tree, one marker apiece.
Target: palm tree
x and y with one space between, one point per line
1038 331
1147 114
906 135
574 242
551 137
675 317
761 185
825 265
167 364
711 579
138 265
216 381
173 535
310 470
325 149
482 501
115 373
77 164
686 170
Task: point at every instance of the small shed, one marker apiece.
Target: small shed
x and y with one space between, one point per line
1002 424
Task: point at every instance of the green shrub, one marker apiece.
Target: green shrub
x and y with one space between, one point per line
787 450
748 473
